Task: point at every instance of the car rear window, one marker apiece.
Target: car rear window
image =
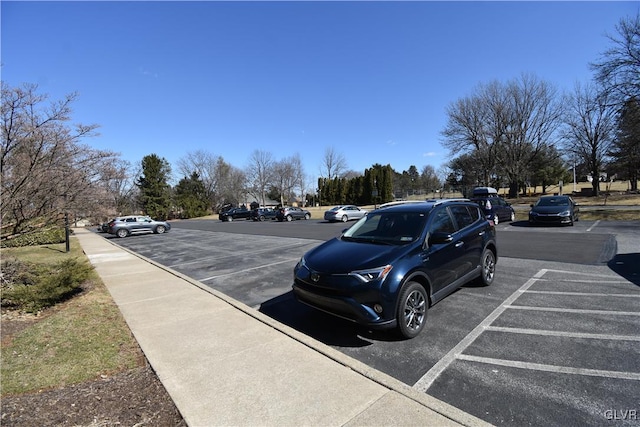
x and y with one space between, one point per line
462 215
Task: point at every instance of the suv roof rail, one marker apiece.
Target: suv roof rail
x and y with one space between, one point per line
440 201
400 202
434 201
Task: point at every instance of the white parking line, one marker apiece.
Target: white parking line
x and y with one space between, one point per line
594 225
234 255
574 310
598 282
248 269
455 353
427 379
573 273
585 294
563 334
553 368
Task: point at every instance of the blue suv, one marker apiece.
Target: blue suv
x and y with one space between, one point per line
390 266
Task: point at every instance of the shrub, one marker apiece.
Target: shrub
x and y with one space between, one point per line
45 286
46 236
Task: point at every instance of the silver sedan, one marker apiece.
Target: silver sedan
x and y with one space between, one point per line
344 213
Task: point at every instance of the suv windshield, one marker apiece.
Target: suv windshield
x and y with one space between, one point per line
388 227
559 201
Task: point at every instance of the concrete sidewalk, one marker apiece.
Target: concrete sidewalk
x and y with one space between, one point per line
224 363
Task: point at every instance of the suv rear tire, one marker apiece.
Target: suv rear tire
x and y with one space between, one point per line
488 265
123 232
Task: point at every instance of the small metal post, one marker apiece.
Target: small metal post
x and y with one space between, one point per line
66 230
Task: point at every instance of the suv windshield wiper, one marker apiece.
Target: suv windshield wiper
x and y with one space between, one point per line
368 239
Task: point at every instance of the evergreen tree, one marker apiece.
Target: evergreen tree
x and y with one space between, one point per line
626 147
378 184
155 196
191 196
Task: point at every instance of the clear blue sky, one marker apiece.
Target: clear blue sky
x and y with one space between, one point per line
371 79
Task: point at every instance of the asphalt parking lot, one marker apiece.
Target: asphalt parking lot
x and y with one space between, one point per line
554 341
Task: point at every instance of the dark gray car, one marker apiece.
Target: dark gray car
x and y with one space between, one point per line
124 226
496 208
554 210
291 213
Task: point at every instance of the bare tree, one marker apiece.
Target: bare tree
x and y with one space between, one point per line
590 124
429 179
618 69
207 166
45 170
260 174
467 129
504 126
289 178
533 119
230 184
284 180
333 164
300 180
117 180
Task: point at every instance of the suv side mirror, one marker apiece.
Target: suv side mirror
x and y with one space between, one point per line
440 237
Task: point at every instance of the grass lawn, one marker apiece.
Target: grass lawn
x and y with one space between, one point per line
75 341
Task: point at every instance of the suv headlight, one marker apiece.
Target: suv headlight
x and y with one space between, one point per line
367 276
564 213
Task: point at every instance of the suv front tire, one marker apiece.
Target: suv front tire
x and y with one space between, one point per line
412 309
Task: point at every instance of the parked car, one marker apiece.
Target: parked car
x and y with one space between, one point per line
104 227
291 213
391 265
263 214
485 192
234 213
496 208
554 210
344 213
133 224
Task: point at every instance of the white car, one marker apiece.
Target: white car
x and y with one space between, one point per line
344 213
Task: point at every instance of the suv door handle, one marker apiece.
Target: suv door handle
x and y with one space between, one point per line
481 233
459 244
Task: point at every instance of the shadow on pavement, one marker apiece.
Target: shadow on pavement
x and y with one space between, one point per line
627 266
519 223
321 326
